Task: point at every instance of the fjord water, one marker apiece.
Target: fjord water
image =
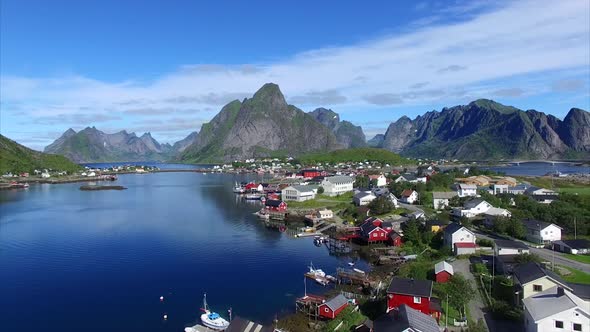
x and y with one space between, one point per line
74 260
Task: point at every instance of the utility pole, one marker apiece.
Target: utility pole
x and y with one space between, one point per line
553 255
575 229
447 313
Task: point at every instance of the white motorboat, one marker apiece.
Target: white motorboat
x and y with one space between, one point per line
316 272
211 319
253 196
238 189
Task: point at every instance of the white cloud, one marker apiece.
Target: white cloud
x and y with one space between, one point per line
518 38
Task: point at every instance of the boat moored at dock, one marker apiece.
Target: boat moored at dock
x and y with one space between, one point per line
211 319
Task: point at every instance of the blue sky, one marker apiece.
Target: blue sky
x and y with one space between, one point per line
169 66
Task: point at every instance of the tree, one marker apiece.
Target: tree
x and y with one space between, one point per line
412 232
460 291
525 258
320 190
381 205
466 222
516 229
477 327
361 182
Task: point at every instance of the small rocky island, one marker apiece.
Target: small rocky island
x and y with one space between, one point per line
97 187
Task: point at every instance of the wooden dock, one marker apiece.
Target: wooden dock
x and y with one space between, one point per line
198 328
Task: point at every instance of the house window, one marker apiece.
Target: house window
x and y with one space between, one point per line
417 299
538 288
577 327
558 324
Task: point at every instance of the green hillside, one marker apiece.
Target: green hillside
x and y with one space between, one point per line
356 155
16 158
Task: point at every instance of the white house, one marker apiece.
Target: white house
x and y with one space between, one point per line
325 214
464 190
510 247
337 185
45 175
299 193
381 180
363 198
579 246
493 213
409 196
541 232
459 238
410 178
499 189
472 208
440 200
556 309
532 191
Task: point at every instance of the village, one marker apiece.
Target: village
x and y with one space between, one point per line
450 249
450 246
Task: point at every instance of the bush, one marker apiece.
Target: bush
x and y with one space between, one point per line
484 243
503 310
480 268
320 190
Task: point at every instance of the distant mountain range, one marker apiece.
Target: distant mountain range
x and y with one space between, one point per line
487 130
93 145
265 125
16 158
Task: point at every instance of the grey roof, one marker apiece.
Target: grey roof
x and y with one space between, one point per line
531 189
363 194
532 271
549 302
453 227
443 194
467 186
510 244
473 202
336 302
339 179
422 288
576 244
409 177
536 224
518 187
408 319
304 188
239 324
581 290
443 266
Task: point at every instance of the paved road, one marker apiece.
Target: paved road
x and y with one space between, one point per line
547 255
410 207
476 305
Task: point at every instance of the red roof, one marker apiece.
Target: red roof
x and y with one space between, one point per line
465 245
407 193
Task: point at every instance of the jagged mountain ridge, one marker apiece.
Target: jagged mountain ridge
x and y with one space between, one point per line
263 125
485 130
347 134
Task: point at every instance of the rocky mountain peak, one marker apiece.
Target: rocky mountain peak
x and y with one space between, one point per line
269 97
327 117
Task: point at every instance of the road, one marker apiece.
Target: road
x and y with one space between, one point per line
476 305
410 207
546 254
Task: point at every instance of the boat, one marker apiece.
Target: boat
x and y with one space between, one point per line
238 189
359 271
253 196
212 319
19 185
322 281
351 263
316 272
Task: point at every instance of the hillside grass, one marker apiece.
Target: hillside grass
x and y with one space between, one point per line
356 155
17 158
576 276
579 258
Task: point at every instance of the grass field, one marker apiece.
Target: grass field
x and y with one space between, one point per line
577 276
576 190
579 258
559 185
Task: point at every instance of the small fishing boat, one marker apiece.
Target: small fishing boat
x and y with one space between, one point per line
15 184
238 189
359 271
253 197
351 263
316 272
322 281
211 319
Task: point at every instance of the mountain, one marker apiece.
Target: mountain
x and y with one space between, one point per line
487 130
263 125
376 141
17 158
93 145
185 142
347 134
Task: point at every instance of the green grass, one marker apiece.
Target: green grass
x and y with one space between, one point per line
580 258
582 190
577 276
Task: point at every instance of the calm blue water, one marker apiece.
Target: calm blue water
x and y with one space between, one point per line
99 261
536 168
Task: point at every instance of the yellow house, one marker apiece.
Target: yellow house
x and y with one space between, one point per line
531 279
436 226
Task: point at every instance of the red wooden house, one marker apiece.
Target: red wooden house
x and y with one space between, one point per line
395 239
253 187
371 230
443 271
417 294
333 307
312 173
275 205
